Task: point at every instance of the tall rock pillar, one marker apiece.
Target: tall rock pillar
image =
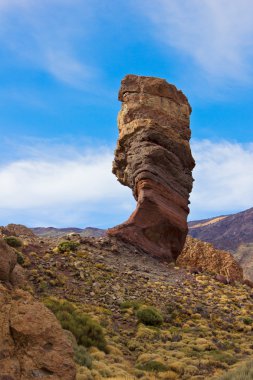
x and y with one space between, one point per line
153 157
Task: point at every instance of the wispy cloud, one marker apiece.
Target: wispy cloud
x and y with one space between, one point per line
223 178
216 34
66 68
62 185
46 35
78 187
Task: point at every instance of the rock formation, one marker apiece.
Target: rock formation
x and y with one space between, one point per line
203 256
8 260
153 158
32 342
244 255
16 230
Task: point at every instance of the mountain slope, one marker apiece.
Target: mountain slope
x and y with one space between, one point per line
205 329
225 232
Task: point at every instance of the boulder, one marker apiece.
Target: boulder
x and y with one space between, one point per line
153 158
8 260
32 342
202 255
18 276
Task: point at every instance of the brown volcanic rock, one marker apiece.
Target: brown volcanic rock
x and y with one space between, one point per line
18 277
16 230
8 260
153 157
200 255
10 271
244 255
32 342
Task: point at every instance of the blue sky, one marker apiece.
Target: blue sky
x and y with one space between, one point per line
61 64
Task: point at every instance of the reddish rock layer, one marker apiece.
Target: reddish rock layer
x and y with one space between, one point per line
153 157
203 256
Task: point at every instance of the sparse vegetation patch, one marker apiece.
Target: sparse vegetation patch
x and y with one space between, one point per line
87 332
150 316
13 241
68 246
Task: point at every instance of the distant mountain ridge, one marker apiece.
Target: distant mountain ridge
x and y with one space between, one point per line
58 232
226 232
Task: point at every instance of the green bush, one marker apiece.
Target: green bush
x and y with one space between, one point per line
149 316
68 246
20 258
244 372
82 357
248 321
86 331
153 366
13 241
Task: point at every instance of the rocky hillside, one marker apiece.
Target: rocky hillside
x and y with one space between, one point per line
232 233
225 232
149 319
32 342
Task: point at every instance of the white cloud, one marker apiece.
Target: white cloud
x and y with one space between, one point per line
66 68
223 178
62 185
43 189
45 34
216 34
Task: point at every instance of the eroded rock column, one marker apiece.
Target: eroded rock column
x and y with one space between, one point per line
153 158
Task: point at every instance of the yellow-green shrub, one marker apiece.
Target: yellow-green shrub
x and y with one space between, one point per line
67 246
149 316
13 241
86 331
82 357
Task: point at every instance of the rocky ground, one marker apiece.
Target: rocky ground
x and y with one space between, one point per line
206 326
